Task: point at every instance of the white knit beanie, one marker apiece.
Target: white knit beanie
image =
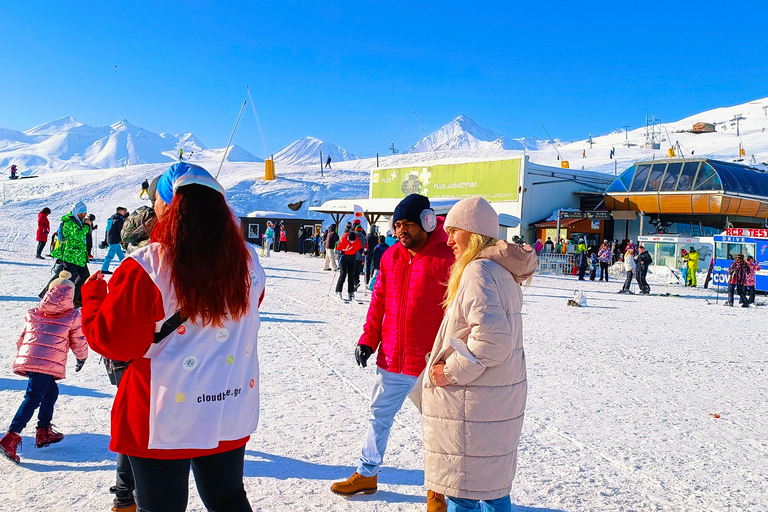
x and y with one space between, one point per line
62 279
475 215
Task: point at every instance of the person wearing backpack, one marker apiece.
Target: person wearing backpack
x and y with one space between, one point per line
70 251
113 239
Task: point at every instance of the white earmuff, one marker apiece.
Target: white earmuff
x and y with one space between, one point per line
428 220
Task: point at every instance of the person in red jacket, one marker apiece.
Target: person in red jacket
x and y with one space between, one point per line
43 228
190 396
410 287
348 247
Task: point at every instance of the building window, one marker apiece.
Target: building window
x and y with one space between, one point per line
253 231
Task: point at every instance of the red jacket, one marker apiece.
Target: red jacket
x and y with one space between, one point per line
43 227
123 330
406 308
347 247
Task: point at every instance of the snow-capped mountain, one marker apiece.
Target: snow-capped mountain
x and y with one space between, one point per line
306 151
45 130
463 133
68 144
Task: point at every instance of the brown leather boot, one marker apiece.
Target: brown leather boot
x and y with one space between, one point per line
356 484
436 502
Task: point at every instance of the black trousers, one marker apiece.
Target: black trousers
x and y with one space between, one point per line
641 273
582 271
124 483
163 485
40 247
750 293
368 268
740 289
346 271
628 282
604 270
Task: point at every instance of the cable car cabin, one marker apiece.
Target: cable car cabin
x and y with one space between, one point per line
746 241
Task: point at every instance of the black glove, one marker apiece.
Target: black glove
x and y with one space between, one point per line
362 353
79 365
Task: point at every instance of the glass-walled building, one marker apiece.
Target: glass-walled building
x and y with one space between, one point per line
705 191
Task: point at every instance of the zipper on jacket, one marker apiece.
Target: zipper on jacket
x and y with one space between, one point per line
403 303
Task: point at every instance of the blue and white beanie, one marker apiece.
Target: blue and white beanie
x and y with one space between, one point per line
181 174
78 208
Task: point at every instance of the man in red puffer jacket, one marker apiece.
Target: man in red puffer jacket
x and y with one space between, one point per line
403 320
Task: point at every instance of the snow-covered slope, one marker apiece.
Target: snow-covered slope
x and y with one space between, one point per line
307 151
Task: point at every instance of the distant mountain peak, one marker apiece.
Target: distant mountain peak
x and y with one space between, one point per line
463 133
52 127
307 151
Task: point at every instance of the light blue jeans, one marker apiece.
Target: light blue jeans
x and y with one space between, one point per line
114 250
389 392
462 505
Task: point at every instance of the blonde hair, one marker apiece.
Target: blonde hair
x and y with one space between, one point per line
476 245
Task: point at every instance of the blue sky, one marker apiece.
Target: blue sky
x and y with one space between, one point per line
353 73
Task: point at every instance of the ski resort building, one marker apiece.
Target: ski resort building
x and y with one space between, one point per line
521 191
697 197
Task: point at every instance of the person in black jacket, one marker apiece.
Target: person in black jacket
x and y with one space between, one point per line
644 260
113 239
582 261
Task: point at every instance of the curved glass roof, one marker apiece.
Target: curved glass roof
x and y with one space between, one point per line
691 176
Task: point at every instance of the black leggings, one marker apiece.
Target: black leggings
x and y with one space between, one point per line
163 485
347 266
604 270
40 247
628 282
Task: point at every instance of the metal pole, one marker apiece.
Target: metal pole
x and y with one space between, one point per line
377 159
226 150
257 121
557 234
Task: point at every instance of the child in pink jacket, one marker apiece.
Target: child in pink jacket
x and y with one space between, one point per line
50 330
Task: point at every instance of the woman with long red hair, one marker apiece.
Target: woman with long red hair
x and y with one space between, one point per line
184 311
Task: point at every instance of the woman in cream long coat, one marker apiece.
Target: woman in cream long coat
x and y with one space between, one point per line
474 388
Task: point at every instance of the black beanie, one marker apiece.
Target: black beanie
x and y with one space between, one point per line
410 209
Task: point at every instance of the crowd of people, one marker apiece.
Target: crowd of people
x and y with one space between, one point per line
444 322
449 287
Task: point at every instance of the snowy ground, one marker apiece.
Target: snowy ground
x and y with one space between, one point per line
620 413
621 399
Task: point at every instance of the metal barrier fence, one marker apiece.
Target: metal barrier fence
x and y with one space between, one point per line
553 263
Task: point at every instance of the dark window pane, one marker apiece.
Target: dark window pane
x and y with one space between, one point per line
730 182
621 184
687 176
670 179
707 179
654 181
641 175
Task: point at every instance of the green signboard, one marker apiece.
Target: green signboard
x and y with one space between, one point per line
494 181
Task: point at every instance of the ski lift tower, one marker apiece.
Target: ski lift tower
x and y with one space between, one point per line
651 140
737 118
